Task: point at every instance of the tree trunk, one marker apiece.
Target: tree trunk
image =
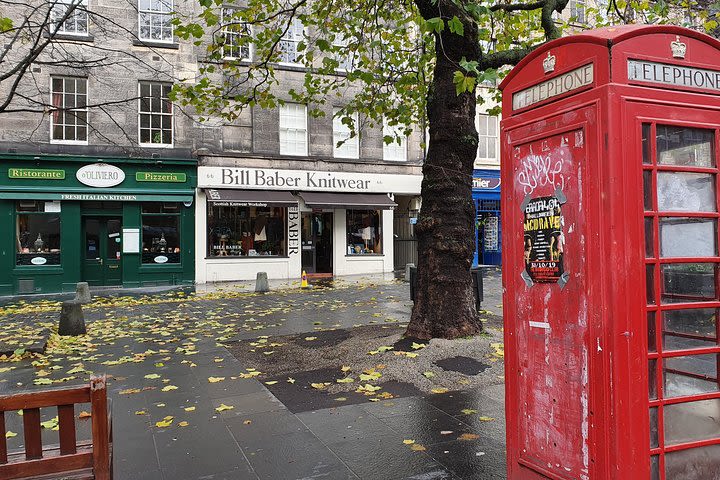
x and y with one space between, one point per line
444 299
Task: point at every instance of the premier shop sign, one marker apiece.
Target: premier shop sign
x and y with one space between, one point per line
306 180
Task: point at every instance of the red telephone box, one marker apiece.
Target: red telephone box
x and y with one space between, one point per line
610 145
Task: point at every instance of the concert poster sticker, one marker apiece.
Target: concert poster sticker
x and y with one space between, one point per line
544 240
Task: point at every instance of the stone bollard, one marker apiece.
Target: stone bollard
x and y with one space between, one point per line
72 320
261 283
82 292
408 267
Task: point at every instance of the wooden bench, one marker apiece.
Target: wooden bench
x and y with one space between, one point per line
70 459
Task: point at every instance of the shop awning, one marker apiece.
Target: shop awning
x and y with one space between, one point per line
250 198
357 201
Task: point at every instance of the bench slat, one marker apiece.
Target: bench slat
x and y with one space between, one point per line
3 440
66 422
50 464
45 398
33 433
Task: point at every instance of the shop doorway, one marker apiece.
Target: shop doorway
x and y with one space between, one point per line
317 246
101 250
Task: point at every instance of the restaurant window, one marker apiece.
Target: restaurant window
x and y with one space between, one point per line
161 233
241 231
37 233
73 23
69 118
155 20
364 232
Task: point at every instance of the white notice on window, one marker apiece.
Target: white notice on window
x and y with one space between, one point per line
131 240
53 206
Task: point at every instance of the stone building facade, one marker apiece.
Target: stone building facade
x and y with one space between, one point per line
96 101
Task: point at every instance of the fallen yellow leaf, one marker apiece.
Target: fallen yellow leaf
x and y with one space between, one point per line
10 434
439 390
224 407
468 436
290 380
141 412
310 339
319 386
169 387
84 414
215 379
164 423
408 442
468 411
345 369
486 419
152 376
416 447
183 424
189 409
345 380
272 382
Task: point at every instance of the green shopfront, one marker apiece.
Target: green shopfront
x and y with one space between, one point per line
111 222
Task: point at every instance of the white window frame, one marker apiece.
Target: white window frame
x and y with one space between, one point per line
62 105
483 123
151 113
346 62
154 13
578 6
293 36
341 133
232 29
293 129
81 11
394 151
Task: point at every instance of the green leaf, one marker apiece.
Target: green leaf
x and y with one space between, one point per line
456 26
435 24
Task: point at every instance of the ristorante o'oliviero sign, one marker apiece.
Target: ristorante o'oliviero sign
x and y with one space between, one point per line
100 175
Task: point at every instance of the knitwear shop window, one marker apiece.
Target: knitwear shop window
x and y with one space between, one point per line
364 232
242 231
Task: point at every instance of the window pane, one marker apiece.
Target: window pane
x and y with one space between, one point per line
647 190
688 237
653 427
691 328
161 238
652 342
690 375
246 231
685 422
693 463
649 240
650 284
364 231
652 379
38 236
685 146
654 468
686 192
688 282
646 129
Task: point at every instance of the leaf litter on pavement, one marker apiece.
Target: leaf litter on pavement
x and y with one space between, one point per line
171 329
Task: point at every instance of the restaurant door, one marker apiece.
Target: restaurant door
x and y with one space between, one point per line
317 246
101 250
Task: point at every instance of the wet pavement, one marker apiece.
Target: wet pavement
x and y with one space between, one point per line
166 357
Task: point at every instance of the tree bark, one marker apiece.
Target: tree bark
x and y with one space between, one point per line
444 299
